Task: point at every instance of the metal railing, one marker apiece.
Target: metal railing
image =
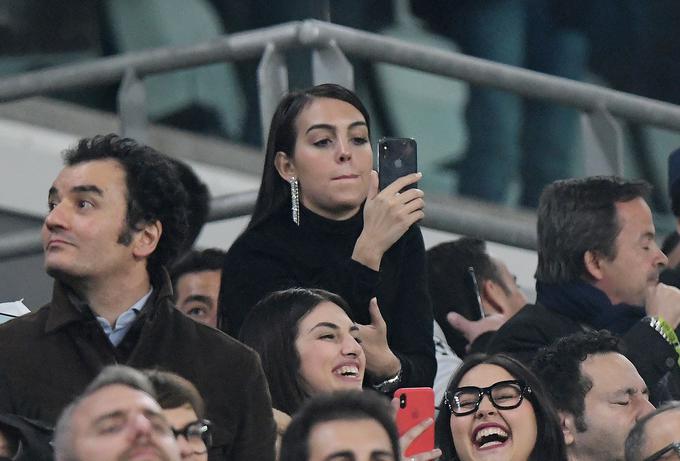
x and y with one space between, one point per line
329 42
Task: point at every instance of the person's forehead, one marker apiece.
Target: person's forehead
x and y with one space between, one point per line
200 279
325 311
103 173
611 372
634 214
666 425
330 111
485 375
349 434
114 398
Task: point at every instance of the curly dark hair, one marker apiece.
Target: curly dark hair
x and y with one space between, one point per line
559 367
154 191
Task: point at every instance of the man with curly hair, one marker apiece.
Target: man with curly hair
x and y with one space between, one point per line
117 217
597 391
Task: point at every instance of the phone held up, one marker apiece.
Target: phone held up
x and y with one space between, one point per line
416 404
397 157
473 294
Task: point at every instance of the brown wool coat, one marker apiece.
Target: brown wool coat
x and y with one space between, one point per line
49 356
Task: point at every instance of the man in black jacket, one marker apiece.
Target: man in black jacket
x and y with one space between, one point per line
598 267
117 216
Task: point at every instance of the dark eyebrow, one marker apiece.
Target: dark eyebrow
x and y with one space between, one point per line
88 188
326 126
330 325
354 327
200 298
349 455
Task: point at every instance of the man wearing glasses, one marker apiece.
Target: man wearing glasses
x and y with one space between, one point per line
597 391
656 436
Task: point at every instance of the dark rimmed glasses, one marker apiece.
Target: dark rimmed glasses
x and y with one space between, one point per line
673 447
504 395
198 434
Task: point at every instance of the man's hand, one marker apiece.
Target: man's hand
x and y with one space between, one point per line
473 329
664 301
380 360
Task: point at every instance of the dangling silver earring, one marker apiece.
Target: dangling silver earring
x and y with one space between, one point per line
295 199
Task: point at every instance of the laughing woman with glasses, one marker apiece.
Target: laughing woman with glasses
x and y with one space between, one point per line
496 409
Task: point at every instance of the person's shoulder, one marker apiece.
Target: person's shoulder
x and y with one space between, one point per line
32 322
218 342
533 317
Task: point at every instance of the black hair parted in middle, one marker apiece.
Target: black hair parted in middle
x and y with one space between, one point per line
275 191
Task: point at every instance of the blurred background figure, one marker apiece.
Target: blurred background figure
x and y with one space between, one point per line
451 290
196 283
184 409
509 138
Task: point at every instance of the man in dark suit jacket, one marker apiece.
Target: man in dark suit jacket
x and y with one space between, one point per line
117 216
598 268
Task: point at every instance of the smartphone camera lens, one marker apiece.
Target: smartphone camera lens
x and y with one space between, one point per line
402 401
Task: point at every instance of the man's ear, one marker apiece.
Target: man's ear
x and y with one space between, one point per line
493 296
146 240
568 426
593 263
284 166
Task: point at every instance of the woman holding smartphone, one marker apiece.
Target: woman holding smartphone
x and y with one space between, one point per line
320 221
495 408
309 346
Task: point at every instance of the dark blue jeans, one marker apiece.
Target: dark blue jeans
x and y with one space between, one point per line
509 137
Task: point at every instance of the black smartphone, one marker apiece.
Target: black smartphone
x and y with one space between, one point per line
473 294
397 157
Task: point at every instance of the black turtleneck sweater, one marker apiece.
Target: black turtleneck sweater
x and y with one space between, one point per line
318 254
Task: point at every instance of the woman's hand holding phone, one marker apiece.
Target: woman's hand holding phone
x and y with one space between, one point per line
414 408
388 214
409 436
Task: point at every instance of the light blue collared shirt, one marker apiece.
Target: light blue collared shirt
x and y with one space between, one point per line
124 321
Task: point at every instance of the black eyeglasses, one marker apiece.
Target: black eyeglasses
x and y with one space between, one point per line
504 395
198 434
674 447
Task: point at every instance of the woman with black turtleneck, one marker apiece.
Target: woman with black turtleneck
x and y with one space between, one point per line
320 222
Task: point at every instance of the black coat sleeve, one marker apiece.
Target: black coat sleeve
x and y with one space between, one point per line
410 318
649 352
257 435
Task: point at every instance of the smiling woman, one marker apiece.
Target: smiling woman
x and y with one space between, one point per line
321 222
496 409
308 345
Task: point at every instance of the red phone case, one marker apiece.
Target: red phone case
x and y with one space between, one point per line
415 405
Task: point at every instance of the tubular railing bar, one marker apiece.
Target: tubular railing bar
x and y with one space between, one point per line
237 46
313 33
584 96
465 219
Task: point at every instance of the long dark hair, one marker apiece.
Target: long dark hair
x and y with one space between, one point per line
549 439
275 191
271 328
